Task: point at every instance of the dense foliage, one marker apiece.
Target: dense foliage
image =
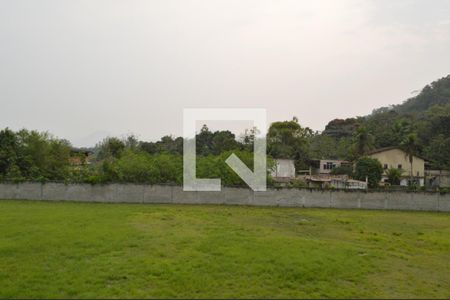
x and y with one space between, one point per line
289 139
394 176
30 155
369 168
421 126
33 155
138 166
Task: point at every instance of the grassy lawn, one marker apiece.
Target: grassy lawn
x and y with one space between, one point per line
118 250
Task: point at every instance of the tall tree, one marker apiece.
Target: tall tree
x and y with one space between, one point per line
410 146
439 152
288 139
9 147
204 140
223 141
247 139
363 141
110 147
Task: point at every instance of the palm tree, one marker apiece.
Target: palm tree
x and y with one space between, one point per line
410 146
363 141
394 175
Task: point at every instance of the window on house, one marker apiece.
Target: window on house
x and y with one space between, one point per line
385 166
328 166
399 166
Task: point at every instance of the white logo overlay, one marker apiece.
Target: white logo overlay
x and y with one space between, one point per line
256 180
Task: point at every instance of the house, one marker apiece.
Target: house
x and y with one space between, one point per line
319 175
324 166
394 157
284 169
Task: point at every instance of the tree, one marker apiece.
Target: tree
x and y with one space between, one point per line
167 144
363 141
149 147
323 147
204 140
339 128
370 168
388 128
131 142
439 152
9 146
110 147
223 141
410 146
288 139
44 156
247 140
33 155
344 149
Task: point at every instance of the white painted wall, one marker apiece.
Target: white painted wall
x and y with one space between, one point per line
284 168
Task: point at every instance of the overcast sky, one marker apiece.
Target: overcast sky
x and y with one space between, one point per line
86 69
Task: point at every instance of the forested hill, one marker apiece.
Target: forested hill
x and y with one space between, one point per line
423 121
436 93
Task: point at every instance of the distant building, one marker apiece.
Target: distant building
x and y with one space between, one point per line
394 157
324 166
80 157
319 175
284 169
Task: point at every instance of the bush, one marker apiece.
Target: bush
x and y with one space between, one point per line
136 166
141 167
343 170
297 183
215 167
394 175
444 190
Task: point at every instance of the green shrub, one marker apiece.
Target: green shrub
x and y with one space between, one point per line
394 176
215 167
297 183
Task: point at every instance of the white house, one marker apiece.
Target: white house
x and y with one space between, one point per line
325 166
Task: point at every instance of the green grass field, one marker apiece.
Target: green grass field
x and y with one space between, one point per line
63 250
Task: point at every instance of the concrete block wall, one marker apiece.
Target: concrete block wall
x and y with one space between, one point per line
133 193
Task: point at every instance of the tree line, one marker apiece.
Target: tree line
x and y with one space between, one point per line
420 126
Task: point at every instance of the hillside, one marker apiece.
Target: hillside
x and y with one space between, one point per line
425 116
436 93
